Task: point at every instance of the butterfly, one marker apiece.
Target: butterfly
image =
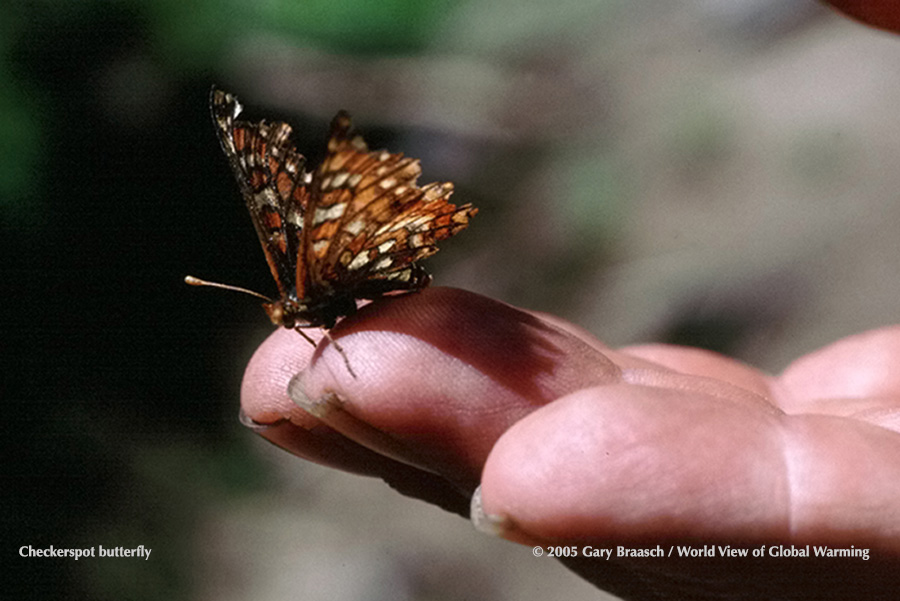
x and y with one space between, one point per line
352 228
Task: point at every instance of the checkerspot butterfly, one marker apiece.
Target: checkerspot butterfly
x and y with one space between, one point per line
353 228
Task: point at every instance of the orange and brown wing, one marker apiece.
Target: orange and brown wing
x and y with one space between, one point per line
273 181
368 221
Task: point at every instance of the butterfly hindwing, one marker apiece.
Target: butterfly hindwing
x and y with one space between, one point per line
371 220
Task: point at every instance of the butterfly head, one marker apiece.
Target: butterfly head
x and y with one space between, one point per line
282 313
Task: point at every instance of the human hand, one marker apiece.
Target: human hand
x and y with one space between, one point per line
575 443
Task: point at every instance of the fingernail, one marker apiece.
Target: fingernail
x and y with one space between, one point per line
495 525
321 407
333 411
249 422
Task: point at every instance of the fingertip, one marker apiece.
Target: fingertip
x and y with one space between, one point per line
264 397
268 409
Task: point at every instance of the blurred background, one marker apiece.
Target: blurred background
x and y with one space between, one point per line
709 172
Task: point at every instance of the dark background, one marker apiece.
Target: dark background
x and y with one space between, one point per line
685 172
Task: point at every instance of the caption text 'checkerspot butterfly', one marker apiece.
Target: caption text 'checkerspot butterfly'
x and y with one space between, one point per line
353 228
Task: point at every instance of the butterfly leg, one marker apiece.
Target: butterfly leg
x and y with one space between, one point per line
339 349
305 337
337 346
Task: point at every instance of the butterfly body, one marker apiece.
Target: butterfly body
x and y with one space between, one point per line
353 228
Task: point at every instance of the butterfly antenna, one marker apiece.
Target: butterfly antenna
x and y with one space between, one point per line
191 280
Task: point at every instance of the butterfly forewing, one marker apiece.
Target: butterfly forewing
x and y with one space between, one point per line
273 182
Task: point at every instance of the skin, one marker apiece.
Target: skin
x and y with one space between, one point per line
574 443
